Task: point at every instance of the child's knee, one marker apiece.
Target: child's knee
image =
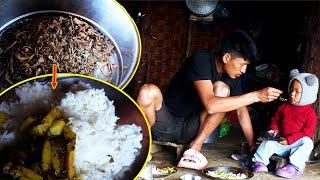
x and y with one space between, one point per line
270 144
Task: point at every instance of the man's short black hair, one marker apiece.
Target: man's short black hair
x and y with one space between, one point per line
239 44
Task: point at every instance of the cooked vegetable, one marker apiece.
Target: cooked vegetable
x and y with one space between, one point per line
56 128
40 130
167 170
49 152
46 156
28 173
226 175
20 172
55 158
3 117
68 133
26 123
70 160
54 114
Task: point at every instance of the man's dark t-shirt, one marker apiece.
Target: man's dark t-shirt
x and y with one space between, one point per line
181 97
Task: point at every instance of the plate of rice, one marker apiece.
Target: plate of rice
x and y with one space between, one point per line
112 138
224 172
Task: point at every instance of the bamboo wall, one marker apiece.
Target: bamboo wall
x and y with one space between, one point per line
311 62
164 34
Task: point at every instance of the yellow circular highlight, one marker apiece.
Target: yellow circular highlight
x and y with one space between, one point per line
140 46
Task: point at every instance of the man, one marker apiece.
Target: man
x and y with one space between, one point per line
203 90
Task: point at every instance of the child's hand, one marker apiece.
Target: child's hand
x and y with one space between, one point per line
273 133
284 141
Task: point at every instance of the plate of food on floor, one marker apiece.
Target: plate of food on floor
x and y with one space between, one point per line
225 172
162 170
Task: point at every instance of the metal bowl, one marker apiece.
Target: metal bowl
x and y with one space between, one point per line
227 169
125 108
108 15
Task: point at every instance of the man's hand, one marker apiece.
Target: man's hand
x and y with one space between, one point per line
268 94
284 141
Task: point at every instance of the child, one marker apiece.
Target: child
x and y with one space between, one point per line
295 121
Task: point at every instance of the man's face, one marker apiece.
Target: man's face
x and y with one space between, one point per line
295 92
234 66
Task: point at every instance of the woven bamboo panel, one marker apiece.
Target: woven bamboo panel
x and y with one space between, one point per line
166 41
312 56
164 35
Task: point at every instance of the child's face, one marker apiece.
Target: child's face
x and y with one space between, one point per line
295 92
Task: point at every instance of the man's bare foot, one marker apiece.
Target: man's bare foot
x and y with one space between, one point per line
195 146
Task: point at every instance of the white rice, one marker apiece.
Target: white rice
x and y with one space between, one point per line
90 108
35 92
102 148
29 94
4 107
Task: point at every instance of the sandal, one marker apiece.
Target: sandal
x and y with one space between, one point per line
193 159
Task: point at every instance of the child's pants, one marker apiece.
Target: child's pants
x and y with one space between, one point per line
298 152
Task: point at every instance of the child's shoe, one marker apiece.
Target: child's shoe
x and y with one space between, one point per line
259 167
288 171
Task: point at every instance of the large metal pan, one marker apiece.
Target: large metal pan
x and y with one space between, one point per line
110 17
125 108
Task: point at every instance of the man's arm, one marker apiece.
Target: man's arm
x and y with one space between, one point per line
246 126
214 104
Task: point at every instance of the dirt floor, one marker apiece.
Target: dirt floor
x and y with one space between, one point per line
218 154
